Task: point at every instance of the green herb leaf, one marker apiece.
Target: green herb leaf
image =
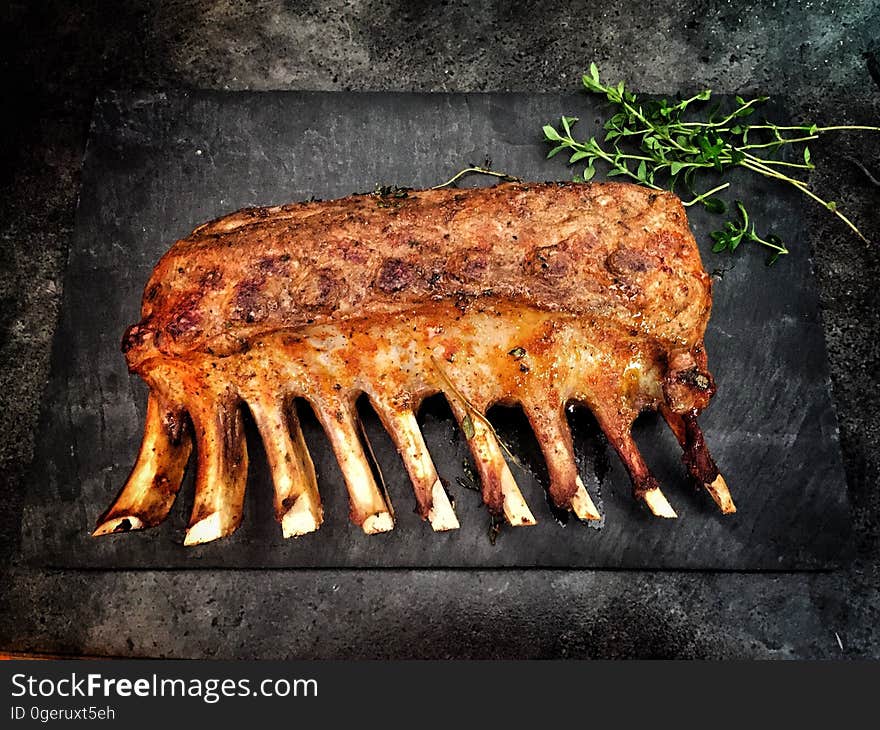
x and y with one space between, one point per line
714 205
551 134
467 425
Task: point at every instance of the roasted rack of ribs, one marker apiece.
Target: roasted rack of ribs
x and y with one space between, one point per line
533 294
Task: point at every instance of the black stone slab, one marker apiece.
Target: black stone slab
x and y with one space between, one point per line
156 166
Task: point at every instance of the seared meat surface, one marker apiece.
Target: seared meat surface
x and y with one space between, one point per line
534 294
613 251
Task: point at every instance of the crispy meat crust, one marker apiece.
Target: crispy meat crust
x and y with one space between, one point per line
615 251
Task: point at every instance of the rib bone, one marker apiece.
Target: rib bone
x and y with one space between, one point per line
368 506
149 492
222 471
433 502
697 458
500 491
566 487
645 485
297 502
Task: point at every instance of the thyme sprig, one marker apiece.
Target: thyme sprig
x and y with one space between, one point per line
656 143
735 232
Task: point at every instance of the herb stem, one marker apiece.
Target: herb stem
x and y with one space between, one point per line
802 186
813 129
468 406
782 163
703 196
779 249
738 111
776 143
849 127
479 171
622 168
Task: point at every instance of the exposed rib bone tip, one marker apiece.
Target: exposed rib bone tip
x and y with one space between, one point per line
379 522
583 505
302 518
721 494
516 510
658 504
126 523
206 530
442 515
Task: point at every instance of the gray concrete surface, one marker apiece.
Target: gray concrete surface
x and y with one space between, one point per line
57 56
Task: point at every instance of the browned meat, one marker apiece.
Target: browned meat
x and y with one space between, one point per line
537 294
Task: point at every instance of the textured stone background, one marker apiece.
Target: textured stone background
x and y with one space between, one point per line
57 56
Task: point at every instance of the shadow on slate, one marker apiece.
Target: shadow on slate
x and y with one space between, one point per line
157 166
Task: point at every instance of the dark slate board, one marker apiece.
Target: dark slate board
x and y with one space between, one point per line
156 166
